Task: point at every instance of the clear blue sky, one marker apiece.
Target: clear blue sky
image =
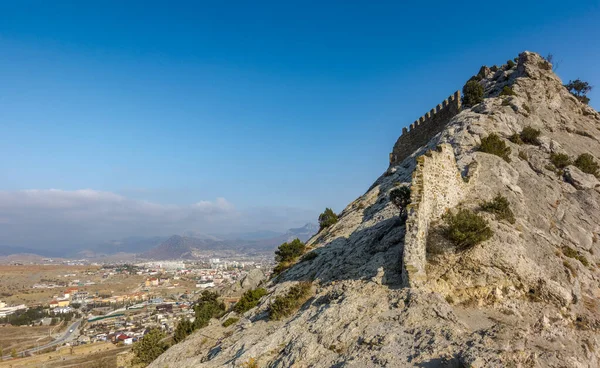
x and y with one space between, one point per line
267 104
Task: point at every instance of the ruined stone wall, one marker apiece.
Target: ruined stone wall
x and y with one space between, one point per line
436 187
423 129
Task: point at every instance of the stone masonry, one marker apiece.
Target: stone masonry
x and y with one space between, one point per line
436 187
423 129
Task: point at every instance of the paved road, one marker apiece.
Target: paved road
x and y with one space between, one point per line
66 337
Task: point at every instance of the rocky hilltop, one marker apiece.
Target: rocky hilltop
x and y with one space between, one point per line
394 292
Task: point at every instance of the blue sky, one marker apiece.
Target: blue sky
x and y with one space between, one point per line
277 108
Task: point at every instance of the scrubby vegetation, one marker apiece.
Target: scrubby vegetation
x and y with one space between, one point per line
285 305
29 316
507 91
472 93
208 306
586 163
327 218
579 89
400 197
149 347
466 228
184 328
249 300
510 64
572 253
500 207
515 138
530 135
495 145
287 253
560 160
229 321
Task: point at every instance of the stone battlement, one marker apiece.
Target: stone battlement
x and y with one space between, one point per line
424 128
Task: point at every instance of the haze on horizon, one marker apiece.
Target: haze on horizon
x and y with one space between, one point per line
157 119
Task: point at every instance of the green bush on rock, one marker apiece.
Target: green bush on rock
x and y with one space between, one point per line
466 228
495 145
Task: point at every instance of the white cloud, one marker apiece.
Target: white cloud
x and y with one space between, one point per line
48 218
65 218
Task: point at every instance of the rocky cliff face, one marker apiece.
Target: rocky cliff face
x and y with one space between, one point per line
527 297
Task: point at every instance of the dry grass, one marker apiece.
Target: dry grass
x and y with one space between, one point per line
99 355
21 338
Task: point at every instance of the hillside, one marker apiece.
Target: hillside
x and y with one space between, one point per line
395 294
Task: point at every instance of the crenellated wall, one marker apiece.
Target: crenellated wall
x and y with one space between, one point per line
423 129
436 187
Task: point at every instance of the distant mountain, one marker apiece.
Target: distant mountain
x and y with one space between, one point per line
6 250
130 245
186 247
303 233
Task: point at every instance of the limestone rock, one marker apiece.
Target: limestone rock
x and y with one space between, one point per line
579 179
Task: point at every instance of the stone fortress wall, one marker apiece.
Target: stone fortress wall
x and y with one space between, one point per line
423 129
436 187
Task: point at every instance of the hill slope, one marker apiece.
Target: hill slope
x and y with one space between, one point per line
526 297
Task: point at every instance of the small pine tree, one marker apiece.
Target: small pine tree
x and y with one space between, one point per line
472 93
149 347
184 328
288 252
586 163
579 89
327 218
400 197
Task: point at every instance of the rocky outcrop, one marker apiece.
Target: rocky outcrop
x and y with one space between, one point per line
527 297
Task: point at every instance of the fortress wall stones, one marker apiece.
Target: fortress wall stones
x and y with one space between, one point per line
436 187
423 129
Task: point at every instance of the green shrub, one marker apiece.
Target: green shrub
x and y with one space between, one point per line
579 89
510 64
285 305
586 163
400 197
466 228
184 328
249 300
507 91
500 207
287 253
290 251
327 218
560 160
229 321
523 155
505 102
149 347
515 138
530 135
494 145
572 253
207 307
472 93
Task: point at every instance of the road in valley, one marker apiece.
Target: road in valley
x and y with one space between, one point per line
66 337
